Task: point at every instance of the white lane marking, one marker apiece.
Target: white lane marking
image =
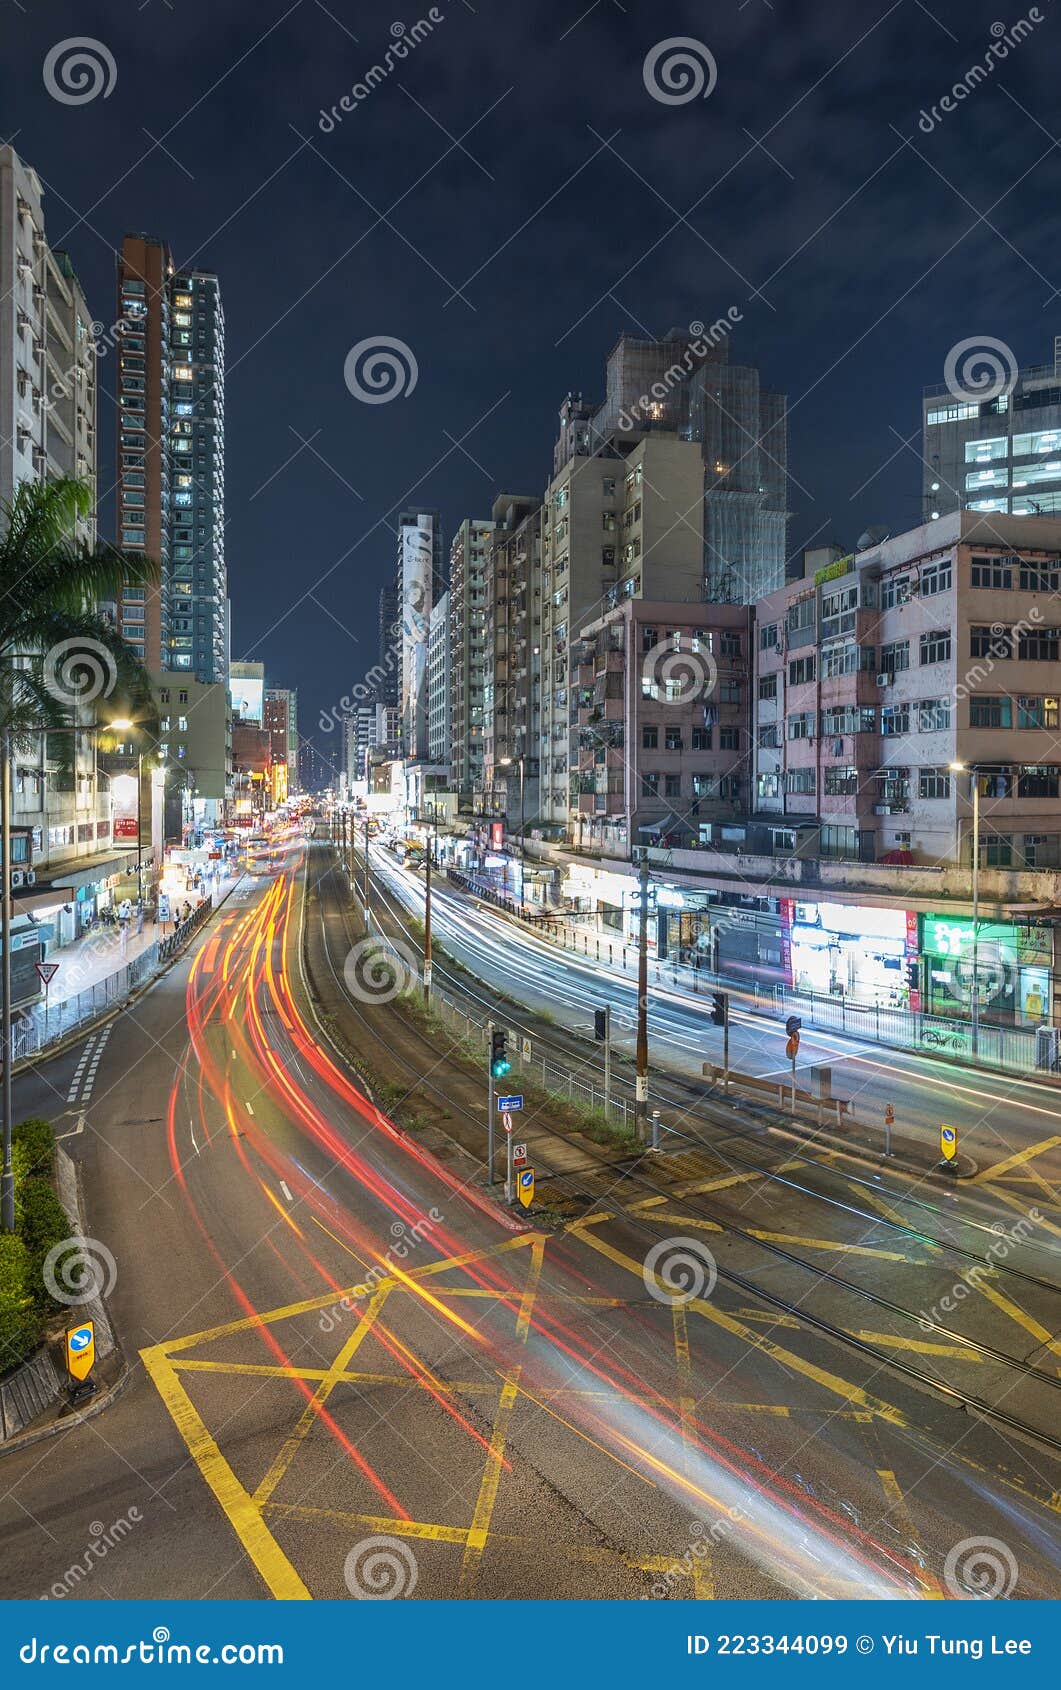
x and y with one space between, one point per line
249 1108
286 1192
191 1129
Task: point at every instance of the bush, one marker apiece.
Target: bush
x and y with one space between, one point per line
20 1321
42 1221
33 1148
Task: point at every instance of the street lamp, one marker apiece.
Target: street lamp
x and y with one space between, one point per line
964 768
505 763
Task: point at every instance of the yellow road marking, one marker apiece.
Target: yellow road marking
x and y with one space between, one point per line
798 1364
244 1518
1018 1203
1029 1323
897 1505
1017 1160
703 1577
889 1341
829 1244
484 1505
888 1212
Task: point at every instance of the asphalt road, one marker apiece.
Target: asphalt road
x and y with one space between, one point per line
1010 1126
349 1369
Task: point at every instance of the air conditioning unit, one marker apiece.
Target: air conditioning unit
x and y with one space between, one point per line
779 648
18 877
885 680
31 878
882 809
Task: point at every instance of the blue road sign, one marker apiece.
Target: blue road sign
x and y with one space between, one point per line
508 1103
81 1339
526 1176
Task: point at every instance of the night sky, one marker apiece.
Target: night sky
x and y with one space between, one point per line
506 202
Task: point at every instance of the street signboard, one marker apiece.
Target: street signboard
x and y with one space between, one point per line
526 1047
948 1143
507 1104
525 1187
80 1350
519 1154
47 971
792 1047
506 1121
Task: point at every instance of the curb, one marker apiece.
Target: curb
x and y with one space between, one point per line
24 1064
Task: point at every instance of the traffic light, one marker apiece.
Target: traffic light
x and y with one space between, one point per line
600 1023
719 1008
793 1025
499 1062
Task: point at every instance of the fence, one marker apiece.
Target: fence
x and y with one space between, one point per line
42 1027
1012 1048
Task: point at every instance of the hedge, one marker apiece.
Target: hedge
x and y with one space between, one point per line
20 1318
33 1148
40 1222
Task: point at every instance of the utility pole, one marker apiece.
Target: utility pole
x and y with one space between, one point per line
489 1103
427 929
641 1081
7 1186
976 915
368 884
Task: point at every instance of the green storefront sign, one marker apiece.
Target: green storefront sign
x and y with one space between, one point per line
1013 965
952 936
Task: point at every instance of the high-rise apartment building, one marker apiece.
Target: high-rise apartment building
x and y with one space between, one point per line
439 685
385 677
624 522
281 718
419 584
1000 453
47 354
513 657
171 466
468 560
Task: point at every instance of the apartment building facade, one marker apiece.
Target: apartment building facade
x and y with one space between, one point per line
468 562
513 662
419 584
997 454
439 686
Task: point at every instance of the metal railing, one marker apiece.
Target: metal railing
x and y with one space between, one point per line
44 1026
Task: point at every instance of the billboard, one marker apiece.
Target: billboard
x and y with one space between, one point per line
248 698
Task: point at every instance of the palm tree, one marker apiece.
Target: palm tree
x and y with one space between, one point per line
58 653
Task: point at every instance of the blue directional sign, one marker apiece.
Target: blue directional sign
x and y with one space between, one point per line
508 1103
80 1350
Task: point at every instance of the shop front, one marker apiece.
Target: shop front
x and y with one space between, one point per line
1010 970
849 951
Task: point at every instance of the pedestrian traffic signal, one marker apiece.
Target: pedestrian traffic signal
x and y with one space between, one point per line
600 1023
719 1008
793 1025
499 1062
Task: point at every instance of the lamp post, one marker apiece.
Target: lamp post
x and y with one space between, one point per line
641 1078
506 762
962 768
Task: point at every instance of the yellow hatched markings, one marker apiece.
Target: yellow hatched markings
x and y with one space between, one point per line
1017 1160
890 1214
1013 1201
1029 1323
311 1412
703 1574
484 1506
833 1382
889 1484
829 1244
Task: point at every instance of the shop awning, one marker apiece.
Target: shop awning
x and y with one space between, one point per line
664 826
84 871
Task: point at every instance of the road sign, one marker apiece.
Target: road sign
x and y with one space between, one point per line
80 1350
519 1154
948 1143
792 1047
506 1121
526 1047
507 1104
47 971
526 1187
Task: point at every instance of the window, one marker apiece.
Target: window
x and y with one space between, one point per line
895 590
935 647
767 786
996 852
728 691
933 714
1037 780
650 786
801 780
933 783
729 644
841 782
982 451
990 713
768 738
1039 645
649 738
701 739
767 687
801 670
672 786
1037 712
1039 578
839 842
800 615
801 726
769 636
729 739
895 657
649 638
991 571
994 780
935 578
895 719
990 641
674 740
